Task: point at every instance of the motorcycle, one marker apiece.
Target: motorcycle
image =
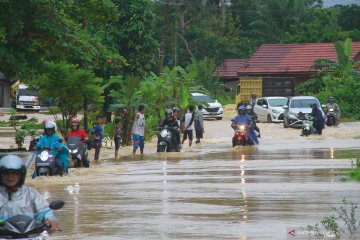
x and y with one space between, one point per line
307 124
78 151
330 117
241 136
45 163
26 227
165 140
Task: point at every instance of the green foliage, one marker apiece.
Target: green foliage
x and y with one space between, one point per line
204 70
70 87
108 133
338 79
124 89
346 214
28 128
32 32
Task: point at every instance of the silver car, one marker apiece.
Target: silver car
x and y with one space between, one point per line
296 105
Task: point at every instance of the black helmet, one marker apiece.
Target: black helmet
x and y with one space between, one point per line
14 163
168 112
176 109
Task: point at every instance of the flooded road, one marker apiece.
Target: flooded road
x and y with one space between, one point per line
210 191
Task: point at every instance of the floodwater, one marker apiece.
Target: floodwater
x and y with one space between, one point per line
211 190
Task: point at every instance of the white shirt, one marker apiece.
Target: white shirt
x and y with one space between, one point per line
188 118
139 124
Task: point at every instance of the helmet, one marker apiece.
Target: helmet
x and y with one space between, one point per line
50 125
168 112
253 94
242 108
176 109
75 122
331 98
14 163
249 107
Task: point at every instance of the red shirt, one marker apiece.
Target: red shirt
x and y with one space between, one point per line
78 133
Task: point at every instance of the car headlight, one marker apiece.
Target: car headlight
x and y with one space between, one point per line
164 133
275 111
44 156
292 115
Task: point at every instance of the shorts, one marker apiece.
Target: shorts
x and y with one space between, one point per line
138 141
117 143
188 133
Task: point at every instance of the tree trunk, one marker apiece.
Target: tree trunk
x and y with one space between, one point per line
223 8
86 124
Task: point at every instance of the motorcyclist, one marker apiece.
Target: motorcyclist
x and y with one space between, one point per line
171 123
77 132
56 146
318 120
15 198
332 105
254 117
244 119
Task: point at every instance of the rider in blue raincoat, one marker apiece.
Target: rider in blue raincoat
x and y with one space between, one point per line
57 146
244 119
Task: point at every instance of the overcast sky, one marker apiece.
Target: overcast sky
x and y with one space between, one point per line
329 3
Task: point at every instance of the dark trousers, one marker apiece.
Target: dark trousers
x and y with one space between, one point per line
97 147
319 129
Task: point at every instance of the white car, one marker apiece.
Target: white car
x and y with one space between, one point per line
212 108
270 109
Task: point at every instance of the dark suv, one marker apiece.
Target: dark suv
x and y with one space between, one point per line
294 106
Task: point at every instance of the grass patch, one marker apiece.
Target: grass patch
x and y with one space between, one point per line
344 120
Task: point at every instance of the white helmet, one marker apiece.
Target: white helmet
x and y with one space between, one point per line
248 107
50 125
14 163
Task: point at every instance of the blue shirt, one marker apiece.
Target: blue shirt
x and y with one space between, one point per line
98 132
244 119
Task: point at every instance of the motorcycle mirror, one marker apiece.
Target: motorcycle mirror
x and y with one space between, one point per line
57 204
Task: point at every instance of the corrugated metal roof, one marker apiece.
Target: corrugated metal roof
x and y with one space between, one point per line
229 68
280 58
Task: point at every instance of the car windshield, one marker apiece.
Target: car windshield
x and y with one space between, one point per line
25 92
278 102
203 98
303 103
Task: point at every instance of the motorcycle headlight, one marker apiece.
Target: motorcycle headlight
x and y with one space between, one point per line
331 110
242 127
74 151
275 111
164 133
44 156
